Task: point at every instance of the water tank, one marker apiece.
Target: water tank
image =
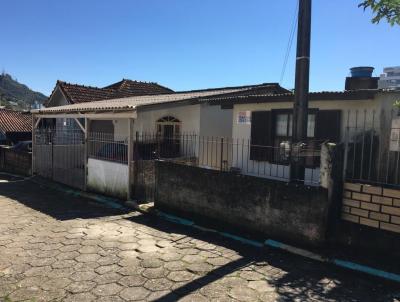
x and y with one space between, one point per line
362 72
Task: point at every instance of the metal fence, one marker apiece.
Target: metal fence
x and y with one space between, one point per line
59 155
372 147
227 154
107 146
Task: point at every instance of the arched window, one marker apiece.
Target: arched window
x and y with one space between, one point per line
168 126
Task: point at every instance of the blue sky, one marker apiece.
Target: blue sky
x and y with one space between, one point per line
185 44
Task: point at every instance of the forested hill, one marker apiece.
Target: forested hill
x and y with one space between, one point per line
15 95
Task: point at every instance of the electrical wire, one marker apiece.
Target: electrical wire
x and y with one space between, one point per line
290 41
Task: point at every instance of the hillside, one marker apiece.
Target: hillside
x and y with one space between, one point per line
15 95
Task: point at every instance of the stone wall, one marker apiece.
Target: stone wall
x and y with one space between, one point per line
15 162
372 206
295 213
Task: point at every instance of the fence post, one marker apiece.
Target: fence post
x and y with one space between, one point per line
222 154
85 154
33 144
129 157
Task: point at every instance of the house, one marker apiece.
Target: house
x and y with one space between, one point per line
172 123
265 122
15 126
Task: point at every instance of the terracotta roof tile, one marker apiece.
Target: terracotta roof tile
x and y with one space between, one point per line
15 121
136 88
80 94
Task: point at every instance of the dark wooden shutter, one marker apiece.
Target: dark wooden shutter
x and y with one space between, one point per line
261 136
328 125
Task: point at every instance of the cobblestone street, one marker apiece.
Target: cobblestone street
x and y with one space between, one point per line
57 247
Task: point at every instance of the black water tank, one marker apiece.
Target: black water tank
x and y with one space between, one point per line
361 78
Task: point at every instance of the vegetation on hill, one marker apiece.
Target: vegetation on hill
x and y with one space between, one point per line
14 95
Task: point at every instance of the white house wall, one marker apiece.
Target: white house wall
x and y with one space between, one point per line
215 135
189 115
107 177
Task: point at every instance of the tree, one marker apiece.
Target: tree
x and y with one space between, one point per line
383 9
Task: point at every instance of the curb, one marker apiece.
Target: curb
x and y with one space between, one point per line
145 209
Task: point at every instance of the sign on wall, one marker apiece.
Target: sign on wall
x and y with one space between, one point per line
244 117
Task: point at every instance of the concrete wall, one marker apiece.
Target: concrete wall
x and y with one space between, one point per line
107 178
295 213
15 162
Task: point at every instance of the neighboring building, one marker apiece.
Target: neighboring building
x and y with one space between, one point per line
390 79
177 116
15 126
66 93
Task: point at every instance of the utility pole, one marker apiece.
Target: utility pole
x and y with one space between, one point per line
300 108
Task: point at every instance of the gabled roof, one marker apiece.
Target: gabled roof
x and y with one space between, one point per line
15 121
132 88
132 103
192 96
75 93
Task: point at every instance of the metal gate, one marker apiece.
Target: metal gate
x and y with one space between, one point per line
59 155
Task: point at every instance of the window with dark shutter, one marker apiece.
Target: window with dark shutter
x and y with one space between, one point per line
261 136
328 125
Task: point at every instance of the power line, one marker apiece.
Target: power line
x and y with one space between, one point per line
290 41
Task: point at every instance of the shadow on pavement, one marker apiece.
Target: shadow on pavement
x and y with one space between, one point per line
293 278
58 205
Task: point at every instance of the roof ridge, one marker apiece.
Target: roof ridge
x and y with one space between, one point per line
233 87
84 86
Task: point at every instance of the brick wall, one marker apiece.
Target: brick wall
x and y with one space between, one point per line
372 206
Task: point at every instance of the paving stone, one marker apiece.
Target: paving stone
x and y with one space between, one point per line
213 290
63 264
81 286
107 268
87 258
242 293
151 263
135 280
147 248
134 293
58 283
83 276
158 284
171 256
180 276
25 293
261 286
154 273
193 298
107 289
106 278
82 297
176 266
163 295
128 246
199 268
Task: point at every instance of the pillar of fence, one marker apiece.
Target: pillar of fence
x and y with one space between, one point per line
130 158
